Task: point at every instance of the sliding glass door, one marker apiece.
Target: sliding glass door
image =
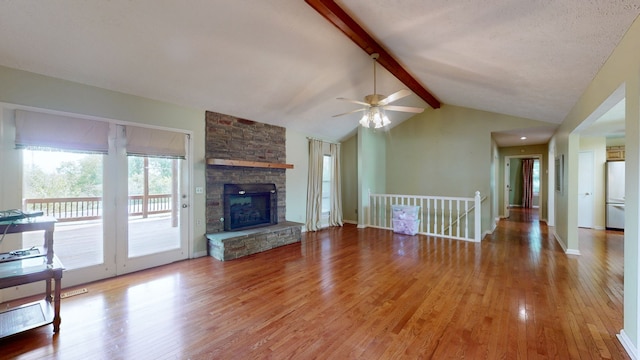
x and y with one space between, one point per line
69 187
121 209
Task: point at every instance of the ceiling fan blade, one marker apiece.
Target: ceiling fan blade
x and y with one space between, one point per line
354 101
395 96
350 112
410 109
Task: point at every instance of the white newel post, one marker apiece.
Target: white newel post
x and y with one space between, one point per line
478 218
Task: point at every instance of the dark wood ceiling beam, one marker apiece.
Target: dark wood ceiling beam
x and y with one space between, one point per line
340 19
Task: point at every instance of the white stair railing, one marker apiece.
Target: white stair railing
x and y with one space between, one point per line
451 217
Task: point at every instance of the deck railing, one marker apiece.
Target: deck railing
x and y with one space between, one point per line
450 217
89 208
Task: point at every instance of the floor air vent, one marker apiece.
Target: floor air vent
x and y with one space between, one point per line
73 293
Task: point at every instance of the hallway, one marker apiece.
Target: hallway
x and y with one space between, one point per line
586 291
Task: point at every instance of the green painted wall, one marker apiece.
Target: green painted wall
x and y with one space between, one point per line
621 72
449 152
349 163
372 168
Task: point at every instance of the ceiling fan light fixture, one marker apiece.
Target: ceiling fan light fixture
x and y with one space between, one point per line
364 121
375 116
375 105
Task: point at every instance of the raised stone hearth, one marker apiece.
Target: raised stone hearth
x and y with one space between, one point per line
231 245
238 150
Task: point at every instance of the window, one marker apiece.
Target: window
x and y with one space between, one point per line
326 185
536 177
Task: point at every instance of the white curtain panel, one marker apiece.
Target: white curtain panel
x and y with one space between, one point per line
335 213
314 185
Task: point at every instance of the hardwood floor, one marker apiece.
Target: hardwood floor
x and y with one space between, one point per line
358 293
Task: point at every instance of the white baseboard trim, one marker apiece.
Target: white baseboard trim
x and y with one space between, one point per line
564 248
494 226
628 345
360 226
599 228
559 241
199 254
350 222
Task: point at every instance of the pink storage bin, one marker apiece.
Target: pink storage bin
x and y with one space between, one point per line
405 212
407 227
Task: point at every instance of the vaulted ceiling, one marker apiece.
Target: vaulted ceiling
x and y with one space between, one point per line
280 62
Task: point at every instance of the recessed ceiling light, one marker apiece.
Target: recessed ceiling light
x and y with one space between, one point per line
523 138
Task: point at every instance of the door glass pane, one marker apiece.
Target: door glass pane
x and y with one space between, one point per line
67 186
154 224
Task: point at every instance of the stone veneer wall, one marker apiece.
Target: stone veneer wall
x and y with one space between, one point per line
228 137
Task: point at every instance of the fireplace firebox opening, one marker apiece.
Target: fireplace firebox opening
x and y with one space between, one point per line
249 206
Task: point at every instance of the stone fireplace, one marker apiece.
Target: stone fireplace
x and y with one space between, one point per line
245 156
249 206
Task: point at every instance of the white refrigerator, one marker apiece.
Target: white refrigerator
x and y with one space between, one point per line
615 195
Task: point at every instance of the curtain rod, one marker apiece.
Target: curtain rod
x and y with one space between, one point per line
329 142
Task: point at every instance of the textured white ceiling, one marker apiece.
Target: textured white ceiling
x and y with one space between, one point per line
280 62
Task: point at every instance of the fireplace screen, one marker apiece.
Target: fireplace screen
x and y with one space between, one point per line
249 206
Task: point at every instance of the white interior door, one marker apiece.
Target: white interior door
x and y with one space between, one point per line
585 189
507 185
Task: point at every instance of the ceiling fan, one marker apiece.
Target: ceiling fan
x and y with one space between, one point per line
376 104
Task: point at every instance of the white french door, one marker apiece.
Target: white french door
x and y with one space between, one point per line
155 230
117 212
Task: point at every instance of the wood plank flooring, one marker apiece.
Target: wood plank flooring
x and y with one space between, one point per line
348 293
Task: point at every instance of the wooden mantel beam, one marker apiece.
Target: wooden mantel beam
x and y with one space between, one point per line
338 17
243 163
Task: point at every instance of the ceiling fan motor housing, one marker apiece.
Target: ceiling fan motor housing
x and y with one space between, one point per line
373 99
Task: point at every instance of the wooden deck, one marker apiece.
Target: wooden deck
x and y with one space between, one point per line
348 293
79 244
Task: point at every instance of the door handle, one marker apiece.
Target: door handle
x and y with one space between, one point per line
184 206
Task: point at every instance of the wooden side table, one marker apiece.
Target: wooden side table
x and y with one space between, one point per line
36 264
